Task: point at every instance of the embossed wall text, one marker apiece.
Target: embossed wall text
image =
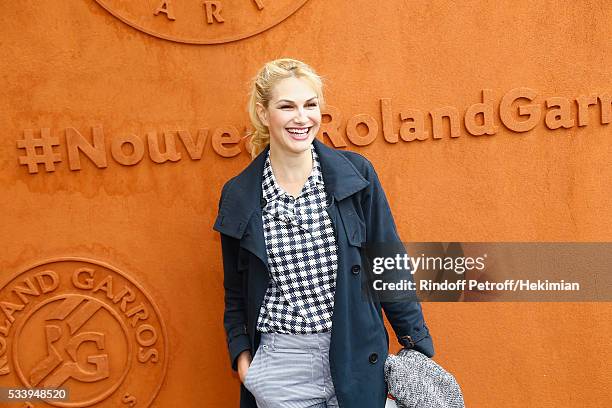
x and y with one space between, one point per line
519 110
82 325
202 21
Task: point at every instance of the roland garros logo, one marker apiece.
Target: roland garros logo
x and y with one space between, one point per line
202 21
83 326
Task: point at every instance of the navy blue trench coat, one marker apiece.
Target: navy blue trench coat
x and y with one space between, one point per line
360 213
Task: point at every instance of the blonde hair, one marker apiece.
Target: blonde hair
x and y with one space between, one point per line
261 92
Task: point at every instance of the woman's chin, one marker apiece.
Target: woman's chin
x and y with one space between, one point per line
298 146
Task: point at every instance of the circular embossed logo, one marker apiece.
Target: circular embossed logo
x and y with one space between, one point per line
84 326
201 21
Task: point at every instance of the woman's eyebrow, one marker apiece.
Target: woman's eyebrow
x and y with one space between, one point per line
290 101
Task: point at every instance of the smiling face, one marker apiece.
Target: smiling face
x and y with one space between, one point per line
293 116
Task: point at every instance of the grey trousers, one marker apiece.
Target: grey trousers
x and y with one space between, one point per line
292 371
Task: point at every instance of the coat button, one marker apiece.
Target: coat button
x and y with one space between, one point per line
355 269
263 202
373 358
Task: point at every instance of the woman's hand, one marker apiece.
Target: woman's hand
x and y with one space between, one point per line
243 363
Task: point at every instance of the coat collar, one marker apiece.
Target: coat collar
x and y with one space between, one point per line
243 196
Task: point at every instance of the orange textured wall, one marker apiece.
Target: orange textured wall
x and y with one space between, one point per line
133 221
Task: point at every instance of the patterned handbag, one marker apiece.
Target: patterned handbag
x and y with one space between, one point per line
416 381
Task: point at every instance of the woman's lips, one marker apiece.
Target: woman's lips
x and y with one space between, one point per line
299 136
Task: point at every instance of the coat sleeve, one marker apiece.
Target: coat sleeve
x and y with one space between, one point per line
234 317
406 317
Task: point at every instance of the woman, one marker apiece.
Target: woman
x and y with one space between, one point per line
299 331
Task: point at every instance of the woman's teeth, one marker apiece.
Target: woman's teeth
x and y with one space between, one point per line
298 131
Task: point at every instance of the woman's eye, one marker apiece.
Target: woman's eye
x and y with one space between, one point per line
285 107
312 105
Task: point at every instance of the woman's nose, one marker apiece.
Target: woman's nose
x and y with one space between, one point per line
300 116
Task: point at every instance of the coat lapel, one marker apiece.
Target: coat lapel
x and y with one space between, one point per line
341 178
240 208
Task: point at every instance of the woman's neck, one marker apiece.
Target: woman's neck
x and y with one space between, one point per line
291 170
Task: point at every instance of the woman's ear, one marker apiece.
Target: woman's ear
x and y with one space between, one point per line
262 113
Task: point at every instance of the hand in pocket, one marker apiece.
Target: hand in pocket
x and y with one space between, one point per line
243 364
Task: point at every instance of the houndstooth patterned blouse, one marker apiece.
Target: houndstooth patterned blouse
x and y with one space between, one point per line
302 256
